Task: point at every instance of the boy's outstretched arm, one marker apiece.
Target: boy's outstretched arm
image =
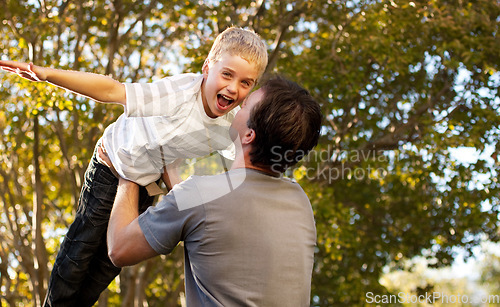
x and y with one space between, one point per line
97 87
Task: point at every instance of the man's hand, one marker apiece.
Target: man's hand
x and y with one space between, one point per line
26 70
171 175
102 156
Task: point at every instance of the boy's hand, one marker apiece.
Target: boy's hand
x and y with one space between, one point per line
25 70
98 87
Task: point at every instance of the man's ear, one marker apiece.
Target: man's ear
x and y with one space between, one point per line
249 137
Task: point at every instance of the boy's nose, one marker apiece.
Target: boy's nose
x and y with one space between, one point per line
232 87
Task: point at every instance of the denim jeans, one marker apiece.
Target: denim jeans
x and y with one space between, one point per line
82 269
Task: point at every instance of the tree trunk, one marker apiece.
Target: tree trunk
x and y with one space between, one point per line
40 254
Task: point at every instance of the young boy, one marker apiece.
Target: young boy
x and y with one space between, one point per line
183 116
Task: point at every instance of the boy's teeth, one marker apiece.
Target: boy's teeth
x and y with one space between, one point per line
224 100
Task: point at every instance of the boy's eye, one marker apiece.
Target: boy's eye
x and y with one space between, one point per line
226 74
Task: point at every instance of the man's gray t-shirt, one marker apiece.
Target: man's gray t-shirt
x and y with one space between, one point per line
252 246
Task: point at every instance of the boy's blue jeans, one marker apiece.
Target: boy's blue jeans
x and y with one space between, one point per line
82 269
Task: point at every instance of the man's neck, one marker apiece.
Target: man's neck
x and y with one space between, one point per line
241 162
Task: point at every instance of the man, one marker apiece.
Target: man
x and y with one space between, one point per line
253 243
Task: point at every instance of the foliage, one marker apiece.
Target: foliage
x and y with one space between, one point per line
401 85
420 285
490 269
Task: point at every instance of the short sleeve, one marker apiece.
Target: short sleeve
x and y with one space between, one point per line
164 225
161 98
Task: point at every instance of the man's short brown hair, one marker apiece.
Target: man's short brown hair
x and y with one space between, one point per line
287 125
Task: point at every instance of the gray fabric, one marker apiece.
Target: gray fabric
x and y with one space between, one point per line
252 246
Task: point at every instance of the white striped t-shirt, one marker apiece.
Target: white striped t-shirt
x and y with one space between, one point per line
164 121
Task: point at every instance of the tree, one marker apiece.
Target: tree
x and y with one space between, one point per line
390 76
400 83
490 271
49 135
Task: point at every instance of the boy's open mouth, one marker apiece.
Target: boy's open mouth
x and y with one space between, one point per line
224 101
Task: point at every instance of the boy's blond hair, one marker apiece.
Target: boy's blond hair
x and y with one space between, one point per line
241 42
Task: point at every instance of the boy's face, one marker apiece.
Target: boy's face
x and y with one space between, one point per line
226 84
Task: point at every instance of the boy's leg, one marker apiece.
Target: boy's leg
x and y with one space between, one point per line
101 273
84 236
101 270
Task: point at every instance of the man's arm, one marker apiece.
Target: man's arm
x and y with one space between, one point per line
97 87
127 244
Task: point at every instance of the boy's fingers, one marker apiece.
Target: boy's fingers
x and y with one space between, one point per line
30 74
6 68
102 155
14 70
101 152
103 149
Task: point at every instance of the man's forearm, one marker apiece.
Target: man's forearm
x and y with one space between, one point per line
125 211
127 244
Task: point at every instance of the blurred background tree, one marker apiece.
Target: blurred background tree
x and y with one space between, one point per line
405 86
